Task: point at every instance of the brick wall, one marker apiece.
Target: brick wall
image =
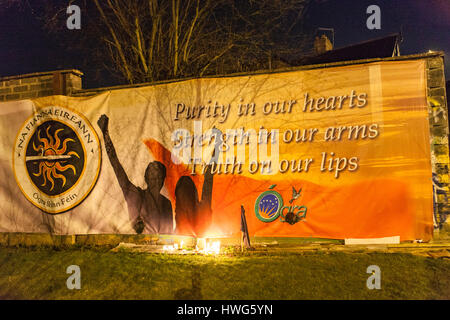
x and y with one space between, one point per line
33 85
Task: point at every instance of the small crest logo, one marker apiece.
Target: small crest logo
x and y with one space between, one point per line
269 206
56 159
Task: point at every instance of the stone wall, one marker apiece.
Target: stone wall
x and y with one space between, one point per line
10 239
33 85
438 119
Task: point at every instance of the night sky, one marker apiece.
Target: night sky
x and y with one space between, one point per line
425 24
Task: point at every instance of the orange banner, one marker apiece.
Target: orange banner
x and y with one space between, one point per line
340 152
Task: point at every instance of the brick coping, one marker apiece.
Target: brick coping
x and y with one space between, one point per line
39 74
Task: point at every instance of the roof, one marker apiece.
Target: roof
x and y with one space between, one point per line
376 48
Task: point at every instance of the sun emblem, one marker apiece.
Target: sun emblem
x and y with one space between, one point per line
53 151
54 157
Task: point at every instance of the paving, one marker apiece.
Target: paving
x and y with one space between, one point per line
432 250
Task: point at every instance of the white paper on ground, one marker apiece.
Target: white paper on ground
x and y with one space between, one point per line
386 240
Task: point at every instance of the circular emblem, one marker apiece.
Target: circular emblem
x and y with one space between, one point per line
267 206
56 159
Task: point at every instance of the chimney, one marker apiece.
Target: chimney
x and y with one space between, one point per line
322 44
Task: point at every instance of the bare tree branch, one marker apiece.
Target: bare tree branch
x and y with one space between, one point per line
151 40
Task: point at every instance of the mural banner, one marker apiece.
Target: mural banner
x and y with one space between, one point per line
339 152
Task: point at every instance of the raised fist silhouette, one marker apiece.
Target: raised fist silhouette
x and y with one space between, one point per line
103 123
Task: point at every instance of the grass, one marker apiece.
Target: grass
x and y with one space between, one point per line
40 273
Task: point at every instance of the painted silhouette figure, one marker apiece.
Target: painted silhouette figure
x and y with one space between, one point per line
193 217
149 211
